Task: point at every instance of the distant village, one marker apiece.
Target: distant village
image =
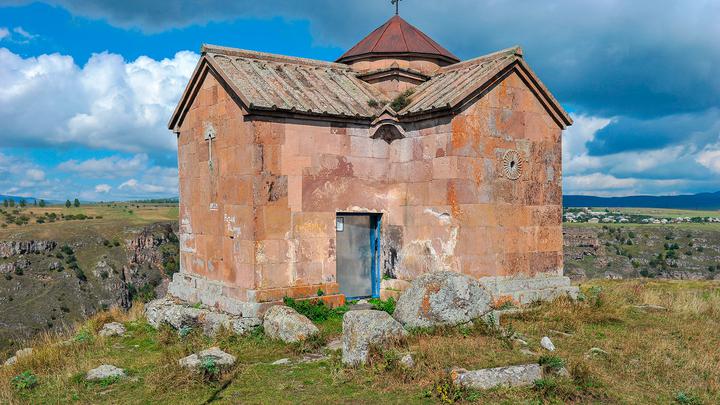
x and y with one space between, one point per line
596 216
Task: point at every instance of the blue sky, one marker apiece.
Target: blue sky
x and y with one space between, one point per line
87 87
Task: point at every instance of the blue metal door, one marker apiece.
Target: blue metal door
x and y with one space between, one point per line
357 251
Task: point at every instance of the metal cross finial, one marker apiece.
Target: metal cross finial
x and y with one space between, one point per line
397 5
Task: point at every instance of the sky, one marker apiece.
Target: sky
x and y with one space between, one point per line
87 86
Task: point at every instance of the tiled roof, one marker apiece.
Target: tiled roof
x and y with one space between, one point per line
267 82
451 82
397 37
276 82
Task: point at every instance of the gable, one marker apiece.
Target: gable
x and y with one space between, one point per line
456 85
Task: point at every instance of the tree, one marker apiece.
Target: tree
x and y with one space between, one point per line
6 203
23 202
41 203
12 202
68 204
76 203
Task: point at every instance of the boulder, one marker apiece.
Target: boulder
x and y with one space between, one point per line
442 298
220 358
286 324
112 329
105 371
181 316
512 376
364 328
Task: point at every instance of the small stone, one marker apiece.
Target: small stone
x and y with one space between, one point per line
112 329
105 371
596 351
512 376
364 328
547 344
281 362
407 361
313 357
194 361
334 345
557 332
528 352
286 324
18 354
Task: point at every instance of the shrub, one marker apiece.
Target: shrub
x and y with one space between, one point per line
315 310
79 274
402 100
687 398
554 363
209 368
25 380
380 305
67 250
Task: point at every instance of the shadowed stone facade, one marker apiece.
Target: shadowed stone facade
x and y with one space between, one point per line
472 186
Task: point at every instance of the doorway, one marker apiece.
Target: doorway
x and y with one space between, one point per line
357 251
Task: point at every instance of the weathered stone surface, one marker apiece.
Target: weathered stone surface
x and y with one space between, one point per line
547 344
281 362
112 329
105 371
407 361
442 298
525 290
12 248
512 376
286 324
181 316
364 328
220 358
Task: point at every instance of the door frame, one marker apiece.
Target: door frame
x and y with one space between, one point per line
375 222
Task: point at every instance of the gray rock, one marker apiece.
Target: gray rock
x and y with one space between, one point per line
221 359
442 298
596 351
547 344
112 329
181 316
512 376
281 362
18 354
364 328
407 361
105 371
286 324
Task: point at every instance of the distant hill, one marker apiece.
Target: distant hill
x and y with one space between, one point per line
701 201
29 200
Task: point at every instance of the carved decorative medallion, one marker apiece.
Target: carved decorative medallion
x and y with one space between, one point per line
512 165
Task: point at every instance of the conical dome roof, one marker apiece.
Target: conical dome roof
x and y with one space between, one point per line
398 38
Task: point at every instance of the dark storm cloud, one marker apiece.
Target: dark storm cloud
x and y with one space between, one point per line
641 59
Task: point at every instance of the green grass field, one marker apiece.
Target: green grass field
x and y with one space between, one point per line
652 357
108 221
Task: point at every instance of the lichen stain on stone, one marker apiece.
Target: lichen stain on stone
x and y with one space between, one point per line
452 201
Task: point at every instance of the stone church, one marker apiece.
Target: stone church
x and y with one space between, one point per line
305 178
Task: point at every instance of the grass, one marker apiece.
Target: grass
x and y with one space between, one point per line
653 356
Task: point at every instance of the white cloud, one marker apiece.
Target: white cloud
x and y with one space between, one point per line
35 174
4 33
710 157
20 31
110 167
103 188
107 104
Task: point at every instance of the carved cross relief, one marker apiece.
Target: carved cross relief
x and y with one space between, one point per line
209 134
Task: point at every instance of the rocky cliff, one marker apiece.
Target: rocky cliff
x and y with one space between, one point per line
616 252
48 284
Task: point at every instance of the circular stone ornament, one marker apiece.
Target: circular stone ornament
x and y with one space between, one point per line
512 165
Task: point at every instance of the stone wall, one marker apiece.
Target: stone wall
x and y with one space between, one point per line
260 224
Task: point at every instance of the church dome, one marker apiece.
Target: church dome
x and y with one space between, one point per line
398 40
